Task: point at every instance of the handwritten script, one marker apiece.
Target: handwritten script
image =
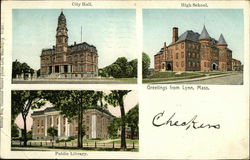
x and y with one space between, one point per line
159 121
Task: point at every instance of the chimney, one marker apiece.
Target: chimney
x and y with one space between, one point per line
74 43
164 47
53 47
175 34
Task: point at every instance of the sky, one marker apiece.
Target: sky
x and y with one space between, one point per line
112 31
158 24
130 100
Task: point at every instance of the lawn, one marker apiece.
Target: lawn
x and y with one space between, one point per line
126 79
172 76
128 141
87 140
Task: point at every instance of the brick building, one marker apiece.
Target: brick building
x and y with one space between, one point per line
236 65
96 122
64 61
192 51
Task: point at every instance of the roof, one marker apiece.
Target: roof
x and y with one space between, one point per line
51 109
99 108
160 52
82 46
195 37
189 35
204 34
222 40
61 17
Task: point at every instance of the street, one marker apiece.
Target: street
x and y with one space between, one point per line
232 79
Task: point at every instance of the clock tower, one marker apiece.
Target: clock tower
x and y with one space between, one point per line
61 37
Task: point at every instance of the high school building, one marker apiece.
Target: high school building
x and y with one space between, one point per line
64 61
95 121
192 51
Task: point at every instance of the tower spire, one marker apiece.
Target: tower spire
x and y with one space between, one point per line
81 34
61 34
204 34
222 40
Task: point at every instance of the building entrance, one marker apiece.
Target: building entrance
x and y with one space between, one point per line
57 69
214 66
65 68
169 67
50 69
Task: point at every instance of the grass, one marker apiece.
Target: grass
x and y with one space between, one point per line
171 76
126 79
128 141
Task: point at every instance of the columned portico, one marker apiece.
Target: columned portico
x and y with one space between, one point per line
66 127
42 120
45 125
59 125
93 127
52 123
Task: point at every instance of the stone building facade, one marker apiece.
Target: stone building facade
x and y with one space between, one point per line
192 51
95 121
64 61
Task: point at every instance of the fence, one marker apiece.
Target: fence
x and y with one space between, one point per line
72 144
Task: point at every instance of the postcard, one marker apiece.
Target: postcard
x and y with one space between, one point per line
124 80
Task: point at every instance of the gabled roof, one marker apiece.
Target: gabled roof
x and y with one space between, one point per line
222 40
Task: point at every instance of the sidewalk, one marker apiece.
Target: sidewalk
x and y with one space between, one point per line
193 79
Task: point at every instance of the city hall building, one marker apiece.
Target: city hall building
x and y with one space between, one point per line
64 61
95 121
192 51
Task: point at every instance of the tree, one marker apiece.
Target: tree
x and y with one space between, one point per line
133 64
145 65
29 135
14 131
121 68
52 132
72 104
115 98
115 71
22 102
18 68
113 127
132 118
128 71
38 73
102 72
122 62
